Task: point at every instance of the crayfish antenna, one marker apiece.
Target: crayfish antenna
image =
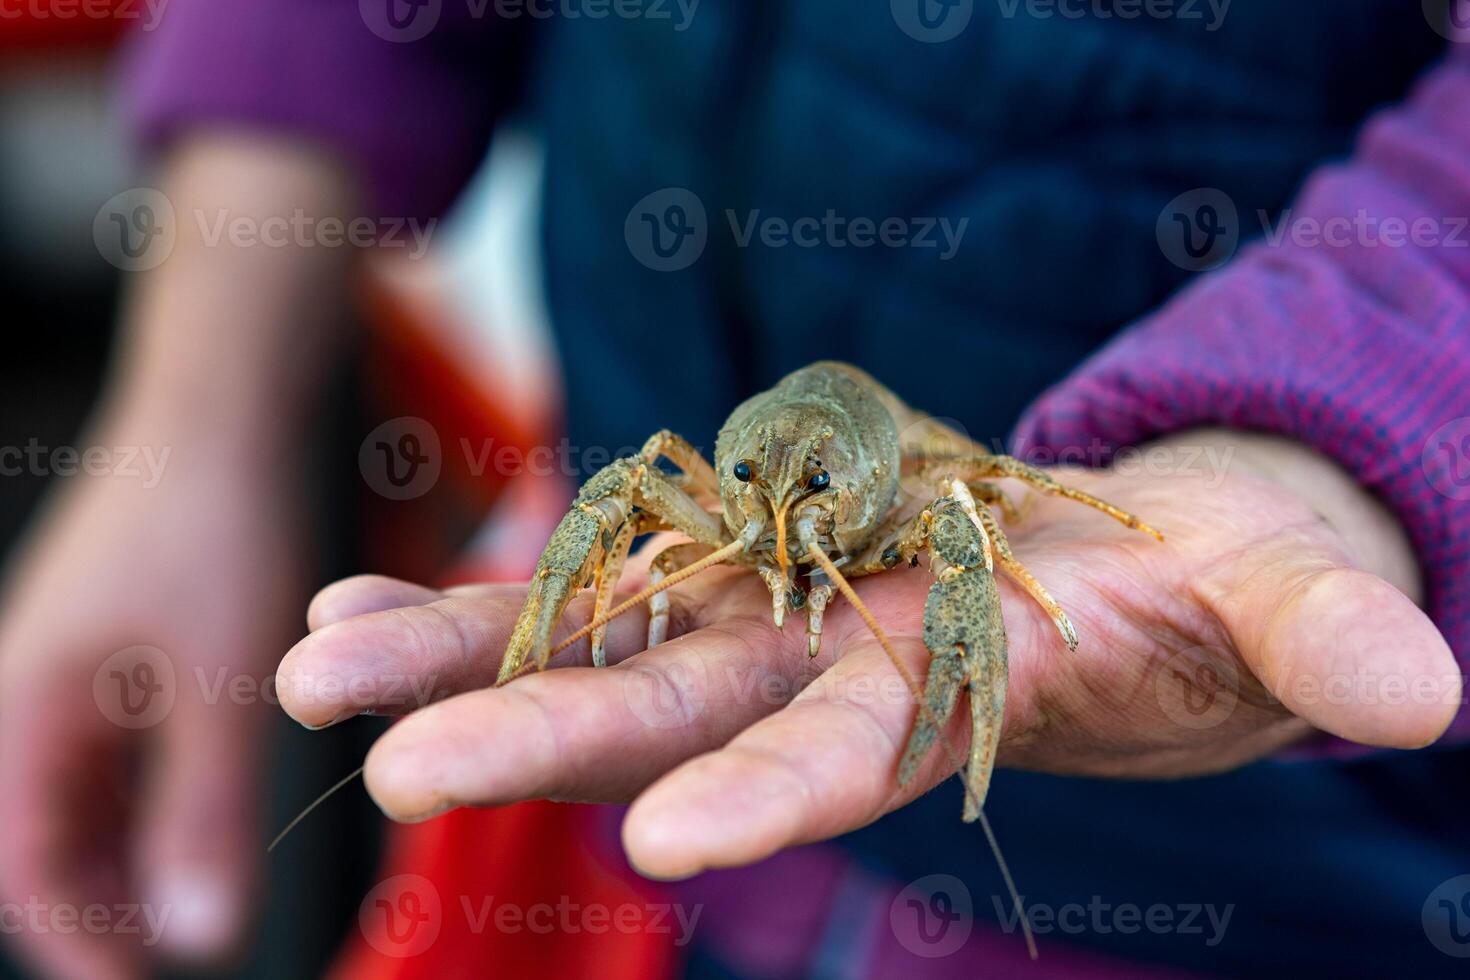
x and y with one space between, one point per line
312 806
843 586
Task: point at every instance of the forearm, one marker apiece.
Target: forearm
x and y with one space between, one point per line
231 333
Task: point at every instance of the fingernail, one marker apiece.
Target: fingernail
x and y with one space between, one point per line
437 811
198 913
350 713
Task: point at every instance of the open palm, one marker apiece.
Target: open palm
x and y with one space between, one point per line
1255 623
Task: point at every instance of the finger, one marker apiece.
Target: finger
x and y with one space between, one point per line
823 766
399 659
63 799
363 594
590 735
1342 649
199 832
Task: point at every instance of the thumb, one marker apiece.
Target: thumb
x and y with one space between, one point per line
1344 650
199 831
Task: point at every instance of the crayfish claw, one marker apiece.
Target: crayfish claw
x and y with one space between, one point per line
563 567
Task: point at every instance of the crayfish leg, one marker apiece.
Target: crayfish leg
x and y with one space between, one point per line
666 563
608 573
1022 576
997 467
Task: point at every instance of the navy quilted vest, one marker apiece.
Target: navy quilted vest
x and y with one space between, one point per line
1059 141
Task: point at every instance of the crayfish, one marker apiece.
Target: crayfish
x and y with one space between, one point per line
808 488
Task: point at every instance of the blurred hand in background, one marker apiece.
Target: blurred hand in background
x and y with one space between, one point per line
221 352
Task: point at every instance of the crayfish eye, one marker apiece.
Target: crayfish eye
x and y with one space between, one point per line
818 481
743 471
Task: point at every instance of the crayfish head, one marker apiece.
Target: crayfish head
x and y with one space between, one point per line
791 475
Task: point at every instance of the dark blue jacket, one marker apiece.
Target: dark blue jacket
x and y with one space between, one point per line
1060 140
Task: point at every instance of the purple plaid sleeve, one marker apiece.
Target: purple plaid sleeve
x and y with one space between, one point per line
405 90
1351 335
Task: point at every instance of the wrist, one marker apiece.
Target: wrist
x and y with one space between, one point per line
224 345
1374 537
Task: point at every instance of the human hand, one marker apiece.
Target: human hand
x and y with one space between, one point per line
220 359
1274 583
119 798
